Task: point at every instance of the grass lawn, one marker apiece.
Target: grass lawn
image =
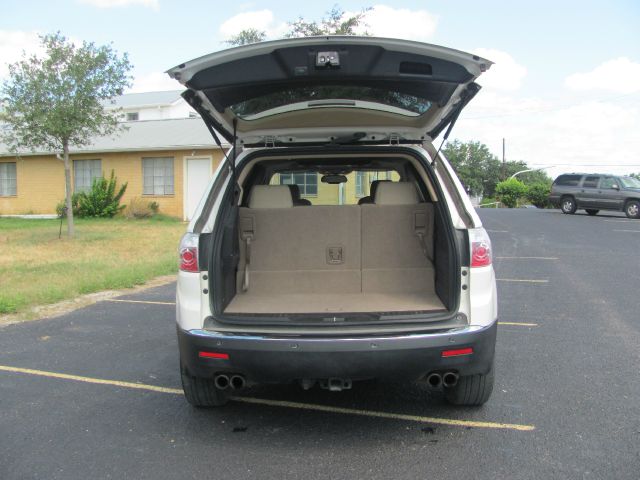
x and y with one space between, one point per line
37 268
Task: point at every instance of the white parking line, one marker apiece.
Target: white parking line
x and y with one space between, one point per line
521 280
497 231
518 324
527 258
280 403
139 301
631 231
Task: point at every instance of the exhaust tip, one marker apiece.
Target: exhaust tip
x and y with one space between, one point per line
434 380
222 382
450 379
237 382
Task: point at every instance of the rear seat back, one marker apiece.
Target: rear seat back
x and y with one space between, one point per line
336 249
397 241
302 250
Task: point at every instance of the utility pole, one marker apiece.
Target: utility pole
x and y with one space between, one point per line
504 162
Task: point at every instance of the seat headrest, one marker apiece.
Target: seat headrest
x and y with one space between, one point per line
270 196
396 193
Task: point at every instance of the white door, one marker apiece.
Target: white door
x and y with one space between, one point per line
198 175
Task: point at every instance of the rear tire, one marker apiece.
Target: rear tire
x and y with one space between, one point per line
632 209
471 390
568 205
202 392
592 212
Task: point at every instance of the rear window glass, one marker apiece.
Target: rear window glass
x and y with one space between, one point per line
591 182
312 188
322 93
568 180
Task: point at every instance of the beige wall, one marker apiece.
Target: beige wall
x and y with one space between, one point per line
40 179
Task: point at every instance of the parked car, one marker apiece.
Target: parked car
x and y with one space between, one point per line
396 285
595 192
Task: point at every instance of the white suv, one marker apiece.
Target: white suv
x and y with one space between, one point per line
335 243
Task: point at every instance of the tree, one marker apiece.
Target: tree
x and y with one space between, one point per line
56 102
336 23
510 191
477 167
245 37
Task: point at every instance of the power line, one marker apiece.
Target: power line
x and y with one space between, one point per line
552 109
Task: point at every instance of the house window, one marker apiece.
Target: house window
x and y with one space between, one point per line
84 173
133 116
307 181
157 176
360 184
8 179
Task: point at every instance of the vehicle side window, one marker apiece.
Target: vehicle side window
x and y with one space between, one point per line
609 182
568 180
591 182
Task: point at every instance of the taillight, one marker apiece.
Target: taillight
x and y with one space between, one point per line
189 253
480 248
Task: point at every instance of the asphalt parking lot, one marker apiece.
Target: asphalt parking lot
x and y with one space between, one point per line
96 393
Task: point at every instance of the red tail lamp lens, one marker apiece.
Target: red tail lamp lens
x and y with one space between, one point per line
480 254
457 352
189 259
219 356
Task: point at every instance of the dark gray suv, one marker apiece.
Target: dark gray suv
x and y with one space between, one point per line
595 192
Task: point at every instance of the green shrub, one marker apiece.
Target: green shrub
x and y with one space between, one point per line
538 195
60 208
510 191
102 200
139 208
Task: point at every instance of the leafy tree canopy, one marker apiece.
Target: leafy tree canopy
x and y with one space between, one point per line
245 37
480 170
335 23
58 99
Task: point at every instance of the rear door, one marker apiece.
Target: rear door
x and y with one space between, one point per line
331 89
587 195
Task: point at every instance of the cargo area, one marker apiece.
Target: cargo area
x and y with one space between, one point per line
334 259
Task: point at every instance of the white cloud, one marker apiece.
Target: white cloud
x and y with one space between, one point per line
262 20
619 75
12 44
586 136
506 74
121 3
154 82
385 21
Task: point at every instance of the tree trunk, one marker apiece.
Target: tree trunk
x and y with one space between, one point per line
67 188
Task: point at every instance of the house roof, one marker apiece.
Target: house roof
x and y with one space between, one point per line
145 99
169 134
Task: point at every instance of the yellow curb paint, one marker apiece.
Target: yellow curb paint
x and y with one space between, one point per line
280 403
519 324
139 301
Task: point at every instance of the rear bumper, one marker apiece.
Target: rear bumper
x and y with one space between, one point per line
267 359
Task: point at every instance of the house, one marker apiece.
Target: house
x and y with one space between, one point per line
165 154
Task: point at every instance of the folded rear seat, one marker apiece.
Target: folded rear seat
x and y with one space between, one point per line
297 250
397 241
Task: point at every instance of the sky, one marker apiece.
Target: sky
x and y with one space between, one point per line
564 91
